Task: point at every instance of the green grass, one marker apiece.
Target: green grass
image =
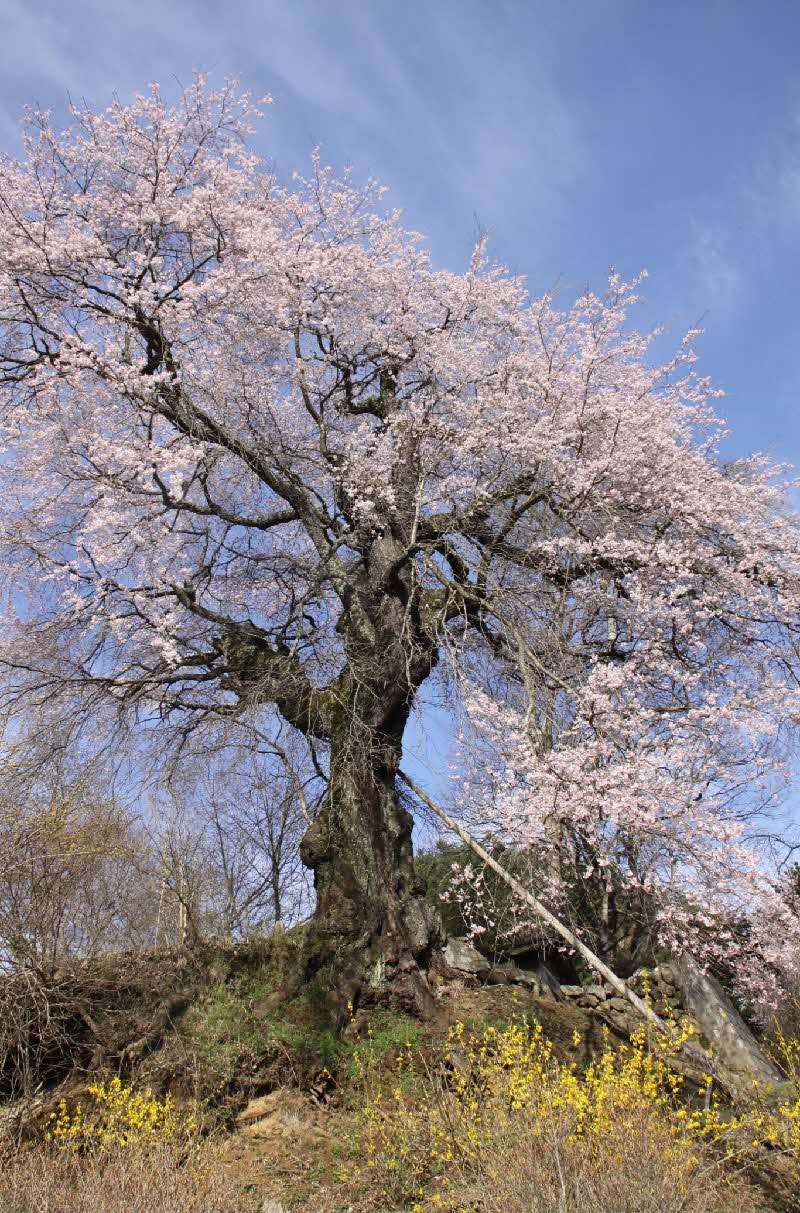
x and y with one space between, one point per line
388 1036
225 1039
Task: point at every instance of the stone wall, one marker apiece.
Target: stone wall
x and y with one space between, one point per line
673 989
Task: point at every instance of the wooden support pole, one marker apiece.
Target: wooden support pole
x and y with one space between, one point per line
541 910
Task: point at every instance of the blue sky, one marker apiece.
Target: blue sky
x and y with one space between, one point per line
579 135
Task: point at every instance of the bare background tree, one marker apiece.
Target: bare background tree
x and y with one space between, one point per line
92 863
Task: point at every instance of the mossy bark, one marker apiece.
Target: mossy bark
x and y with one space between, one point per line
369 903
380 932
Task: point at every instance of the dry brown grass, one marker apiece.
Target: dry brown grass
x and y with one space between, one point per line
633 1171
162 1181
489 1121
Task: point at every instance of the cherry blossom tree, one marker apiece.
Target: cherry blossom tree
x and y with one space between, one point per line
260 458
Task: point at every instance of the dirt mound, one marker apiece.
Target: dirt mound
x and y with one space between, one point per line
218 1024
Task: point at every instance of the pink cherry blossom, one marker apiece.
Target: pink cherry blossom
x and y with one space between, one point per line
255 449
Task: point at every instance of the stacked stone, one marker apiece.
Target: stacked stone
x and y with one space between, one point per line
658 984
587 997
661 986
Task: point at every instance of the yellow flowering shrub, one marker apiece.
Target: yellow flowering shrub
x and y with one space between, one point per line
786 1054
498 1109
119 1118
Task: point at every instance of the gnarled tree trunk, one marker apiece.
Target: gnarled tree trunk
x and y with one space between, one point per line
369 904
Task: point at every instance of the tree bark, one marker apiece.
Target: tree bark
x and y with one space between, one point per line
369 905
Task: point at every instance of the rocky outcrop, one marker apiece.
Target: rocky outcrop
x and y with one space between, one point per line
738 1058
677 988
462 955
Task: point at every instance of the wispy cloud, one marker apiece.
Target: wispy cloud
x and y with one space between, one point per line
425 97
735 233
769 182
789 170
720 279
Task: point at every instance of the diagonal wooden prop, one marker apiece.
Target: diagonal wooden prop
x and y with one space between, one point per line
574 942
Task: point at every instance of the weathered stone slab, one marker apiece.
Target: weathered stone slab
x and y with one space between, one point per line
737 1053
572 991
462 955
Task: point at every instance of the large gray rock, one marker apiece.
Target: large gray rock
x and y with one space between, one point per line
462 955
737 1055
